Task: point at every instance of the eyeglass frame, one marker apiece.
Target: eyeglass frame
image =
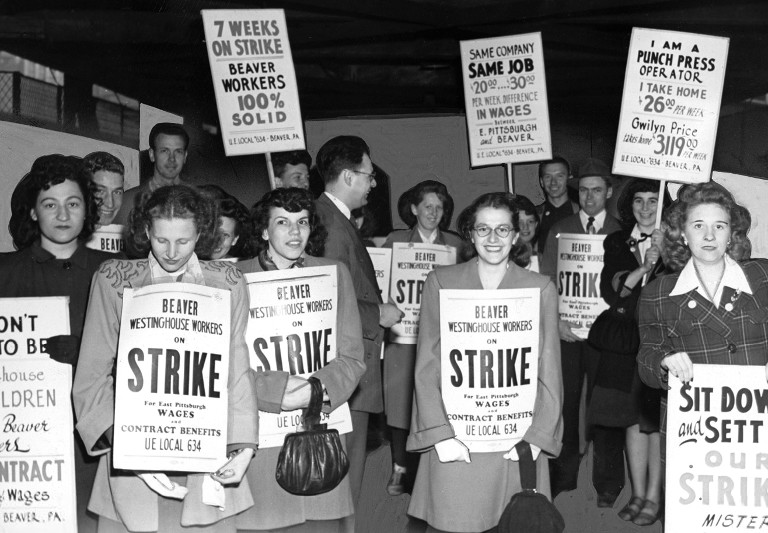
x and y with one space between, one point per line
495 230
371 175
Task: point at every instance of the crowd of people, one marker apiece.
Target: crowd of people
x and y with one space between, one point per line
696 264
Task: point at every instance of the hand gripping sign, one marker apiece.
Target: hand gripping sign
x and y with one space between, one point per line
579 265
293 328
489 342
171 398
411 263
717 465
37 466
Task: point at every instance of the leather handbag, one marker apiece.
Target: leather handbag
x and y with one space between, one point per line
615 330
529 510
312 461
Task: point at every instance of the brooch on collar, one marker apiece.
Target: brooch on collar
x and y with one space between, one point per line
734 297
632 242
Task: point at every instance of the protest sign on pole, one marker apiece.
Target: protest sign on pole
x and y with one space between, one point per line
109 238
382 266
411 263
37 466
489 342
505 97
26 323
172 371
670 106
717 466
579 265
254 80
293 328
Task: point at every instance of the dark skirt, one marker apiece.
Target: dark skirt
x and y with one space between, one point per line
620 398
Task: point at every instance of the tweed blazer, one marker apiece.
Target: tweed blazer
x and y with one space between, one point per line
571 224
345 245
690 323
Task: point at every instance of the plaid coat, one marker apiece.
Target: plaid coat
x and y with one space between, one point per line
690 323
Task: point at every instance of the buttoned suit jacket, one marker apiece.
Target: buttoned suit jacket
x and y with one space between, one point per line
345 245
690 323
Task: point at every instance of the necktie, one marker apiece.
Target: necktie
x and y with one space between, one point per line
643 237
591 226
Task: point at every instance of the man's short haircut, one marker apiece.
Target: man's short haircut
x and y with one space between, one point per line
342 152
555 160
168 128
98 161
295 157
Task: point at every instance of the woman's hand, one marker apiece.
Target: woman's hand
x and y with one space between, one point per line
657 239
161 484
389 315
231 472
512 454
651 257
564 328
451 450
679 365
297 394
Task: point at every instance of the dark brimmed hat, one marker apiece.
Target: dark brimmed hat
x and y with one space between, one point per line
411 197
588 168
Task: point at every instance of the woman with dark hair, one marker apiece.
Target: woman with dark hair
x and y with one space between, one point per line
233 231
710 309
427 209
53 214
528 219
289 233
632 259
451 493
174 226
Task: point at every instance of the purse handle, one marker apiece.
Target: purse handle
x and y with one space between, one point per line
527 466
312 412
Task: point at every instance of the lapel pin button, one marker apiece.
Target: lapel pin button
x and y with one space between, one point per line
691 304
729 307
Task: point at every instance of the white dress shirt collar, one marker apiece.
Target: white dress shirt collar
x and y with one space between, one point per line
598 223
346 211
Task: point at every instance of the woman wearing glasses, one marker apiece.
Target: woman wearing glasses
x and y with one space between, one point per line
455 491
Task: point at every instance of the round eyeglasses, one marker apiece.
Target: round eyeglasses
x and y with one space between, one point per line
501 231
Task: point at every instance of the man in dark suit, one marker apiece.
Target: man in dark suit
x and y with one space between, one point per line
578 357
347 170
554 177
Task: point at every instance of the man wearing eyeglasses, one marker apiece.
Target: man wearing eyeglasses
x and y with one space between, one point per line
347 170
578 357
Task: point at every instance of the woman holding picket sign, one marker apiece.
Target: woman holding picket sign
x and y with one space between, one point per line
174 225
619 398
711 310
53 215
427 209
456 491
287 233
